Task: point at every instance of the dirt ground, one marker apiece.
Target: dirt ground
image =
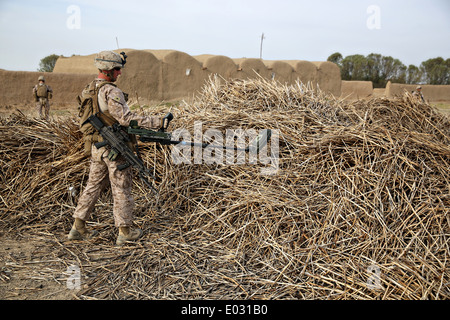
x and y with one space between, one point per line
26 273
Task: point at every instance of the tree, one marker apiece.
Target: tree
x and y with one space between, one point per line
380 69
436 71
374 67
393 70
354 67
48 63
336 58
413 74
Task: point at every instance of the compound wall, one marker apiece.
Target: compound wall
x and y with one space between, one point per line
17 87
432 93
171 74
354 90
158 75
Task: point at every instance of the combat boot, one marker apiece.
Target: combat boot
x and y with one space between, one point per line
128 234
80 232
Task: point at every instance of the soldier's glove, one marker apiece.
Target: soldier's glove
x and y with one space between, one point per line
165 121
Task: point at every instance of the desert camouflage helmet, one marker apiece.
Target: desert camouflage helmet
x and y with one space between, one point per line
108 60
41 78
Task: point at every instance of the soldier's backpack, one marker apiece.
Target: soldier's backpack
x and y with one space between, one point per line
42 91
87 106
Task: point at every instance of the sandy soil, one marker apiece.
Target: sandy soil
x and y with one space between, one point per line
27 272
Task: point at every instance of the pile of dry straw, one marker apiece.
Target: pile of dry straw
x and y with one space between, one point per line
358 209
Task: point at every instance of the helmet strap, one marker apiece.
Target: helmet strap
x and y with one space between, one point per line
108 74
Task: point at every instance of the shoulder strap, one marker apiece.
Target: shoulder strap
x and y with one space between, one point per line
105 116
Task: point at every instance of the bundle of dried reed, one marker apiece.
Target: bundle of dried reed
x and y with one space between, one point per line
358 208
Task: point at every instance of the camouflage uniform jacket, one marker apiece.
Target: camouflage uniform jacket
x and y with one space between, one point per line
111 99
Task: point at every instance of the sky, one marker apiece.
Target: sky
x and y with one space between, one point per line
409 30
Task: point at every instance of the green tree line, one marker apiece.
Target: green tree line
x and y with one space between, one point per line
380 69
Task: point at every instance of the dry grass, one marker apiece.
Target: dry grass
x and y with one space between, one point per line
444 107
359 184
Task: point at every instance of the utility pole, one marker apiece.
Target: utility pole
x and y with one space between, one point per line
117 42
260 50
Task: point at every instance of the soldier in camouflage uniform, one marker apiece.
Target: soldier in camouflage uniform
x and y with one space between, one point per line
112 105
418 94
42 94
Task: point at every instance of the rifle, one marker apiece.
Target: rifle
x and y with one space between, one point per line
118 138
119 141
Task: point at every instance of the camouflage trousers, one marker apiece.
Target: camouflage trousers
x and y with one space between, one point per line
103 172
43 108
